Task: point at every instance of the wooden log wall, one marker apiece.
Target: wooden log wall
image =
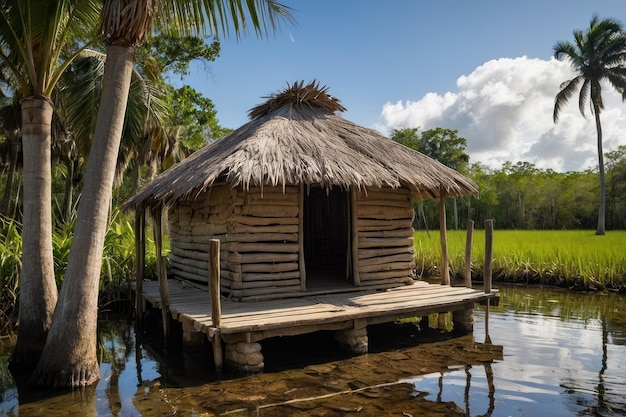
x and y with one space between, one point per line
384 223
258 230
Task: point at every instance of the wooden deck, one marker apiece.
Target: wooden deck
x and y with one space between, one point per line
254 321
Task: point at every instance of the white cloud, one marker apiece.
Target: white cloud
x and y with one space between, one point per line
504 110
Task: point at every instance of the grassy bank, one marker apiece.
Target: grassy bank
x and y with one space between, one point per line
572 258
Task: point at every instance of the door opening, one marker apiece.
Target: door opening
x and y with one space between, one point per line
327 238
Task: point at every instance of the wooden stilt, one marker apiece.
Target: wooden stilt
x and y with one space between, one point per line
161 273
140 255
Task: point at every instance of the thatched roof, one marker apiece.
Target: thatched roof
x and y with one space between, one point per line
297 137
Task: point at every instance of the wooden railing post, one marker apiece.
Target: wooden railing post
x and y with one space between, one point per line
488 255
487 272
445 266
468 254
214 281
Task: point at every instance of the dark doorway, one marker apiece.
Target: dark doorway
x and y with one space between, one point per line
327 237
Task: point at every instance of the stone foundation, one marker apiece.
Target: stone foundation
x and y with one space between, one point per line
353 340
245 357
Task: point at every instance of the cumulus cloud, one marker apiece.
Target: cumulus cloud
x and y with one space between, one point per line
504 110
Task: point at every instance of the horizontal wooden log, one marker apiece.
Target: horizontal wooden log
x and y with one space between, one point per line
185 275
269 278
396 274
406 232
229 266
234 277
262 221
272 199
187 267
375 253
389 266
270 284
261 247
258 258
265 210
365 225
269 268
402 257
385 213
198 263
277 228
384 194
259 237
200 255
368 242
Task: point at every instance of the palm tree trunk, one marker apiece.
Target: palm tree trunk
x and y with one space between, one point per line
69 357
602 209
38 291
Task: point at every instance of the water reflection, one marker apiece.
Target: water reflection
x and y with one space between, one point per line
563 354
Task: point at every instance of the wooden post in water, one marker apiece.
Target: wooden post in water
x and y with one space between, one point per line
445 268
140 262
487 271
164 291
468 254
216 304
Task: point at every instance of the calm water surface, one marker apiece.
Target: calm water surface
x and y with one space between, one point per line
551 353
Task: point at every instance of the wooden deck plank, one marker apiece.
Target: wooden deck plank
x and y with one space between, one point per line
189 303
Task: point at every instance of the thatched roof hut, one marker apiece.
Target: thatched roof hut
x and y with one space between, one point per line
298 191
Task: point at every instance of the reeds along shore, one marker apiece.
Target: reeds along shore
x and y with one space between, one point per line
568 258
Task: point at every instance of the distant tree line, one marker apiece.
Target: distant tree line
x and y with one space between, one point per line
520 195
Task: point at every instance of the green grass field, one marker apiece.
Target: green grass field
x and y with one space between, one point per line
573 258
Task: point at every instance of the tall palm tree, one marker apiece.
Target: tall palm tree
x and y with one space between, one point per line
69 356
35 41
598 56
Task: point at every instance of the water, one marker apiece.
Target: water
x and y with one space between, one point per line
553 353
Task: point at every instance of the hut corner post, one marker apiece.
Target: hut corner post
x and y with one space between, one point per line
140 261
164 292
216 305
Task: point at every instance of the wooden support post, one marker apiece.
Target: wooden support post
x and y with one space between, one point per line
218 355
216 304
214 282
488 255
301 263
161 273
445 268
468 254
140 256
354 238
487 272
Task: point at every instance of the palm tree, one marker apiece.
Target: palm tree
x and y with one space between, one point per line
69 356
35 41
598 56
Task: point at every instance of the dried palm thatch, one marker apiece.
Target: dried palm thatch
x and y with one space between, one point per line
295 138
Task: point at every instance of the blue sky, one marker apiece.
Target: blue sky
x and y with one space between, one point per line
482 67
